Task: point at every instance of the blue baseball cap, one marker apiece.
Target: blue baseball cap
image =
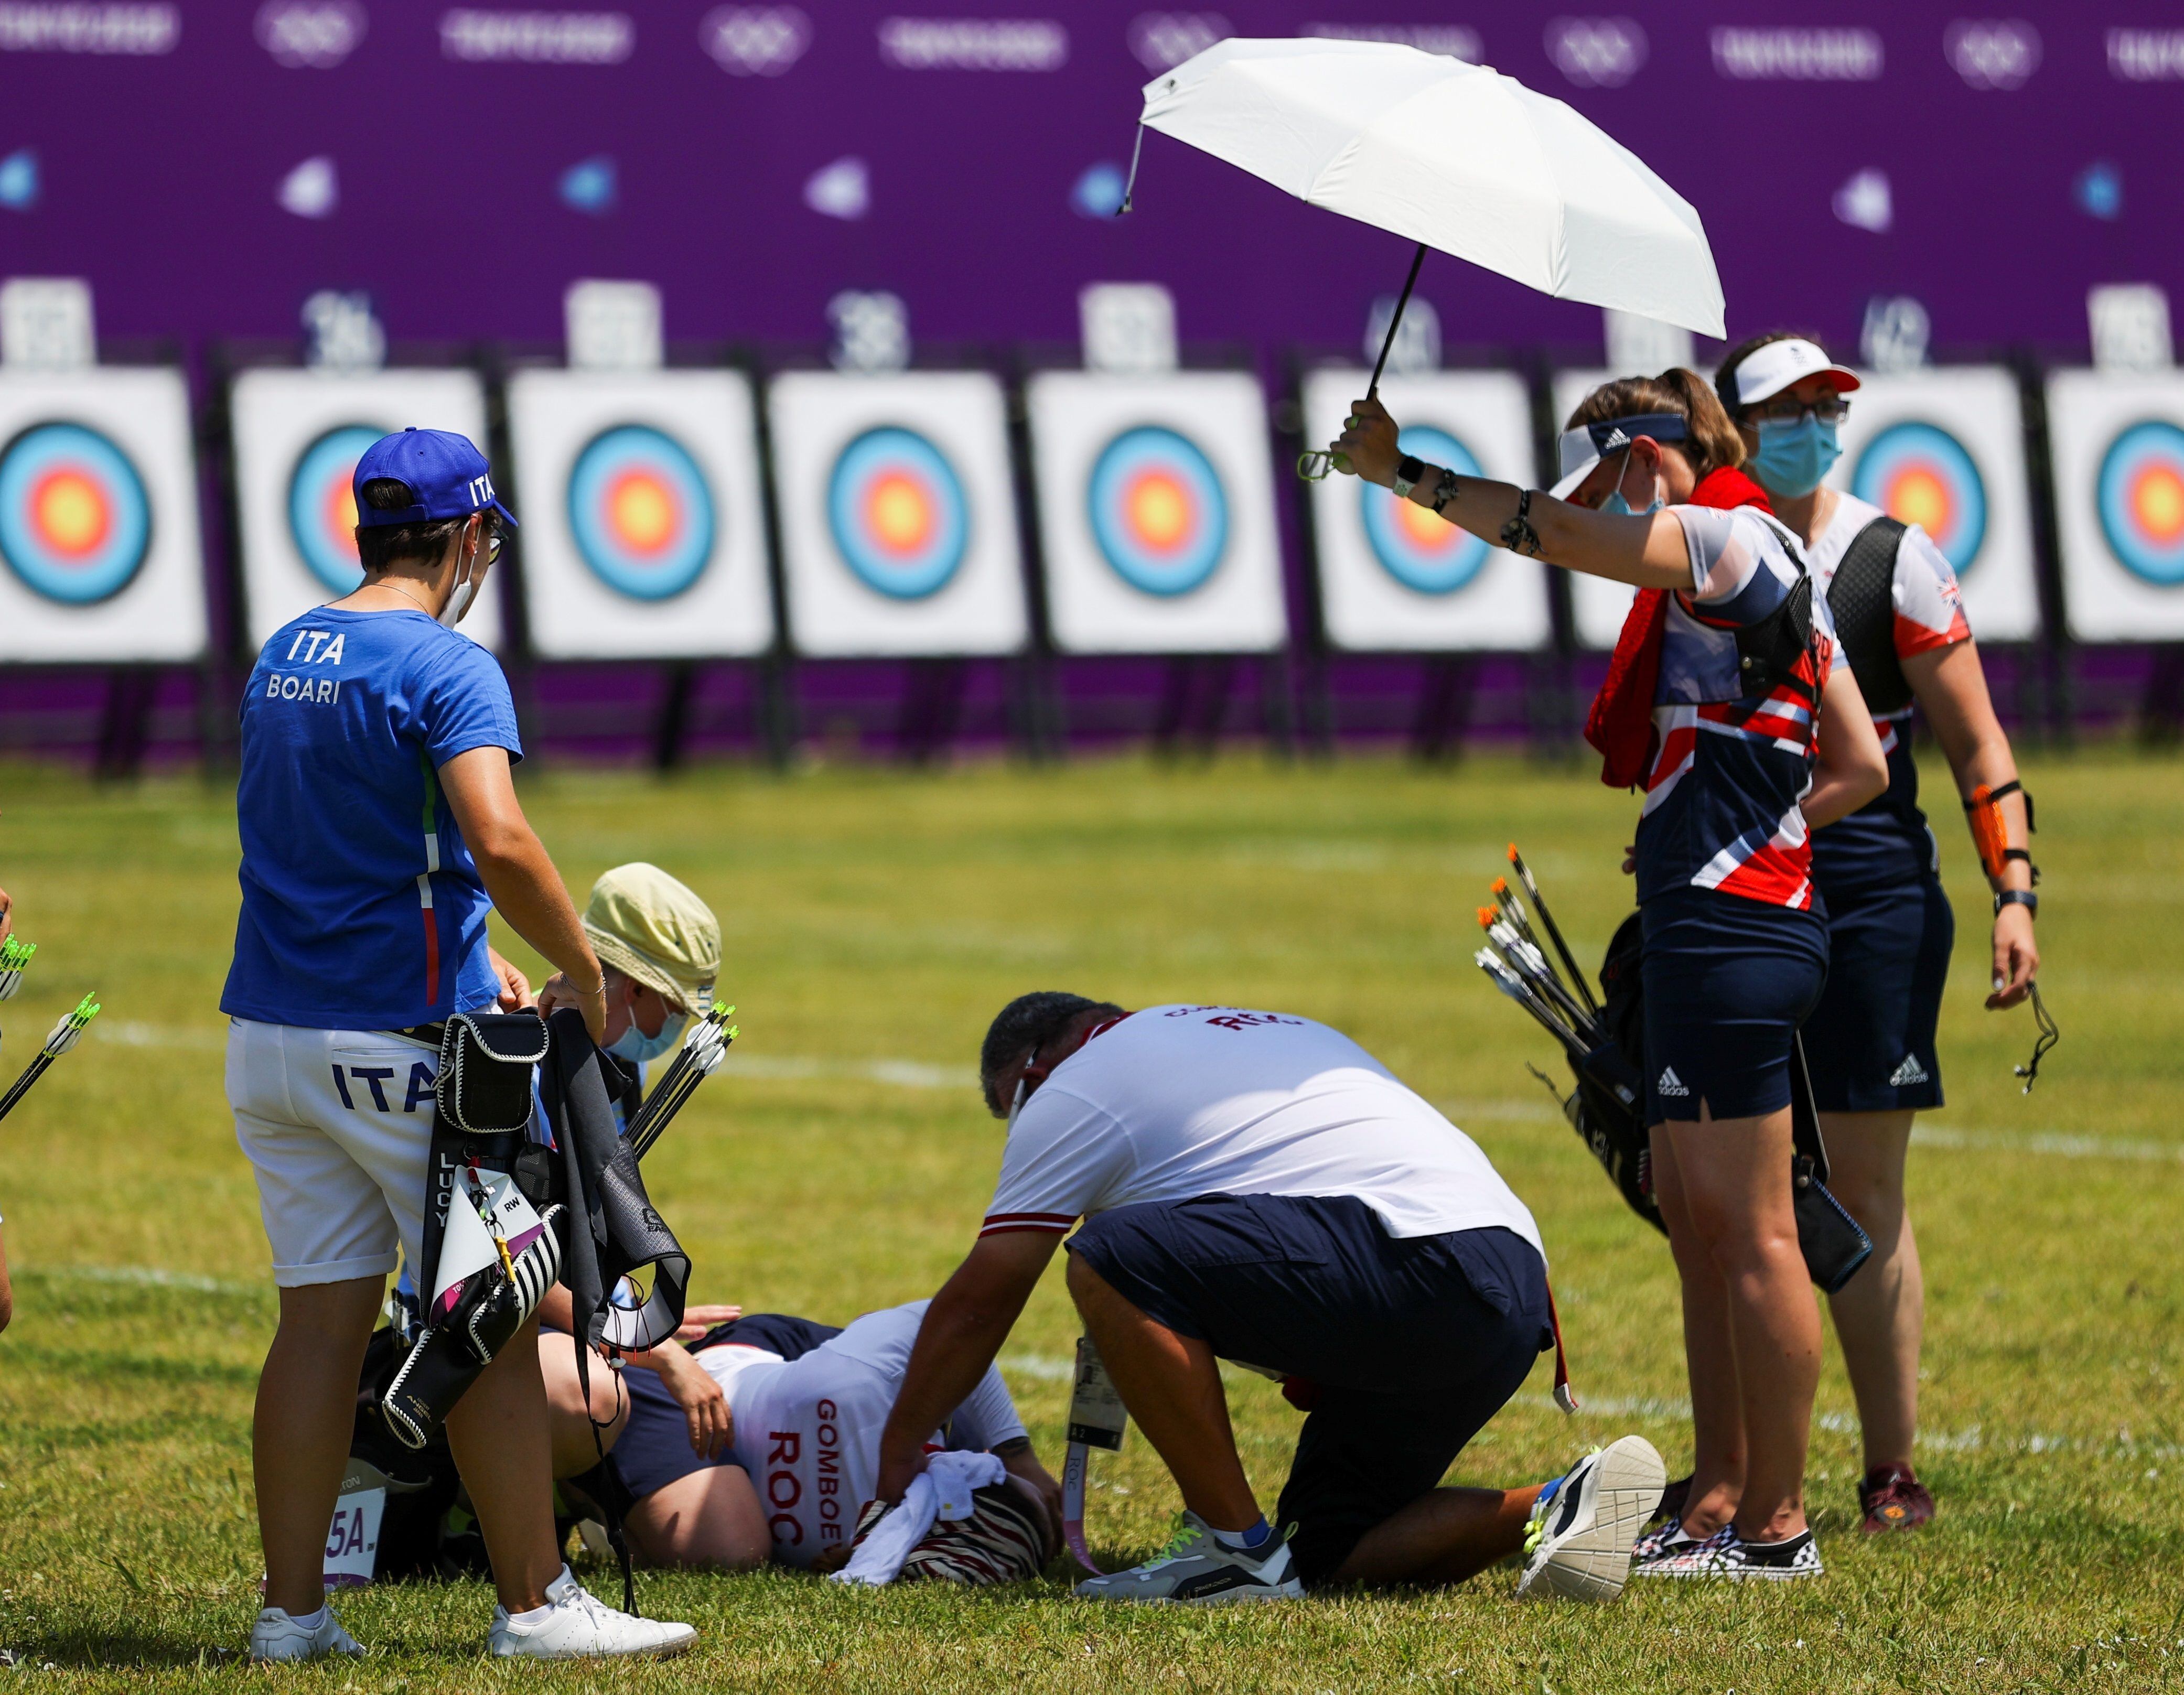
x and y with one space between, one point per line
448 475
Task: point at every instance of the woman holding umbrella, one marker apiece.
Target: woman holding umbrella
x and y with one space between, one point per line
1726 703
1871 1041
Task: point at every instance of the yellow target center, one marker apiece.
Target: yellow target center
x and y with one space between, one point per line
1428 531
2158 503
1159 512
642 511
1920 497
341 512
901 515
71 512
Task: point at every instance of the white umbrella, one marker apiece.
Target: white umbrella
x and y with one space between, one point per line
1454 156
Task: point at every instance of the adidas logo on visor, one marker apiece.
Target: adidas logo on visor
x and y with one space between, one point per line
1670 1084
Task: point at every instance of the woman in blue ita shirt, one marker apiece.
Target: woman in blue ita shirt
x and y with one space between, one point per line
379 825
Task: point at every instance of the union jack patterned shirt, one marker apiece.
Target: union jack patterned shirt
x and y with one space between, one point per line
1722 799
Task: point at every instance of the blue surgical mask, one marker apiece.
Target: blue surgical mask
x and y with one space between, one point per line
636 1047
1793 457
1617 506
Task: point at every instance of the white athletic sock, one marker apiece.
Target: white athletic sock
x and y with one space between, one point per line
1252 1541
309 1621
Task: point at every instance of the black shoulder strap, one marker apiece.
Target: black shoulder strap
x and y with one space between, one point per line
1862 598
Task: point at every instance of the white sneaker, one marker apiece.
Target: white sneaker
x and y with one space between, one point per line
1197 1569
578 1625
277 1636
1578 1545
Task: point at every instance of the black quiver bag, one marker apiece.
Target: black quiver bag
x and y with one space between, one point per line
482 1111
1609 1110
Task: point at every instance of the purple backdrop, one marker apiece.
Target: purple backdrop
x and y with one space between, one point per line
156 174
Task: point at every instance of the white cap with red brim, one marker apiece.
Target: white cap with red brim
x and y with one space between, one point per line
1778 365
1586 446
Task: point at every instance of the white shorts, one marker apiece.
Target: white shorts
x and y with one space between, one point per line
339 1124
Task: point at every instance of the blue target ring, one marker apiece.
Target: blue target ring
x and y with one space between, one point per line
2140 496
1158 511
1920 473
322 504
1417 547
898 514
641 512
75 523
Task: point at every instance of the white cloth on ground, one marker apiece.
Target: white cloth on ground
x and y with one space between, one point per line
942 1490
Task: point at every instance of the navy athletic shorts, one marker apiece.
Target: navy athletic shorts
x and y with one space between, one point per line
1871 1041
654 1447
1728 980
1403 1348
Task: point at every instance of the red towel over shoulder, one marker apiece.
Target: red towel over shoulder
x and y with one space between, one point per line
1620 725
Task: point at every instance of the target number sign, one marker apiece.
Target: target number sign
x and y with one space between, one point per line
896 511
76 525
2139 495
641 513
1158 511
1416 546
1919 473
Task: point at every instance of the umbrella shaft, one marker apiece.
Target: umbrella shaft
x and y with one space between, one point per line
1396 321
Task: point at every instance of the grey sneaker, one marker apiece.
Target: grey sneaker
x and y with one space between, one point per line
277 1636
1578 1545
1195 1568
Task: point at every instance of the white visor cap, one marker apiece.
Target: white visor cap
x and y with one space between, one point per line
1777 365
1586 446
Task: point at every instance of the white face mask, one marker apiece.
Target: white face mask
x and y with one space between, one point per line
458 601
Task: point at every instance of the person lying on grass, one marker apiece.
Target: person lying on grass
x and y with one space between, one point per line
1256 1187
760 1441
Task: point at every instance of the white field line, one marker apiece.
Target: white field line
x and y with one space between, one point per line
154 1276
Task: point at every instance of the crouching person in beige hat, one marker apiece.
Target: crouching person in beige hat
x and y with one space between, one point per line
660 946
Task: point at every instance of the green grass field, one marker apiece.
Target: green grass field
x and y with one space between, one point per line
874 922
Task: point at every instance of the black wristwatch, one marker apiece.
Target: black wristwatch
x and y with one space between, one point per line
1410 472
2023 897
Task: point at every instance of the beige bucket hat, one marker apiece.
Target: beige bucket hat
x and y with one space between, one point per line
647 926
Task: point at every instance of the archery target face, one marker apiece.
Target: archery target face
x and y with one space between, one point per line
2141 501
2118 442
1158 510
75 523
1156 513
99 552
898 514
1920 473
1393 576
298 435
1944 449
643 532
322 505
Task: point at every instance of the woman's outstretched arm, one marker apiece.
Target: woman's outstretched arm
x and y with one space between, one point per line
1647 551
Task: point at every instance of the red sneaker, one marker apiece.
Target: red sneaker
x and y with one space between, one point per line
1892 1499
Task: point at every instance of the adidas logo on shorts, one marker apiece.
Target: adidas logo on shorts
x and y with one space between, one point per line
1909 1072
1670 1083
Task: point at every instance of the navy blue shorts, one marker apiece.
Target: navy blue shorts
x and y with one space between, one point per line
1403 1349
1728 980
654 1447
1871 1041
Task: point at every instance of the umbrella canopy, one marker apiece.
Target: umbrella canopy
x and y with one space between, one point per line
1454 156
